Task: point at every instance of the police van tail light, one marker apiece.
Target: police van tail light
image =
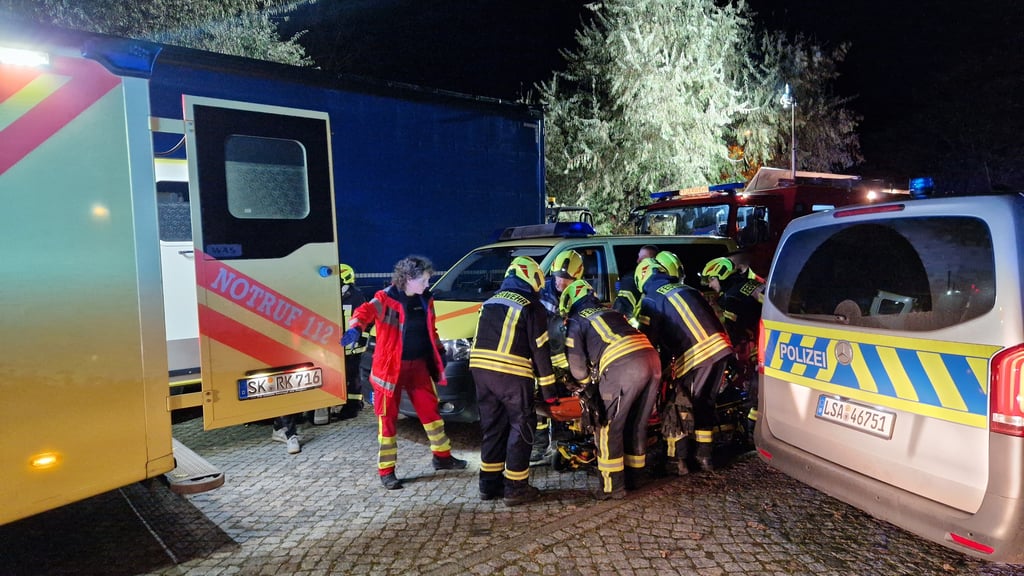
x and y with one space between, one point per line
762 339
1006 394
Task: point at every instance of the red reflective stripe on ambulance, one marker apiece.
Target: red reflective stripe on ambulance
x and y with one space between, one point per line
264 349
248 293
88 83
15 78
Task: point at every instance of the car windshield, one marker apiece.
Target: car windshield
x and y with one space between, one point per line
709 220
478 276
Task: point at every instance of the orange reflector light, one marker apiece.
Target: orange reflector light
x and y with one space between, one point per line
971 544
45 460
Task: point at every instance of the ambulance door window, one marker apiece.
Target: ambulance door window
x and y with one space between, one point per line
266 178
273 172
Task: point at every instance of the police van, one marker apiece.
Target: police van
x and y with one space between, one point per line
891 345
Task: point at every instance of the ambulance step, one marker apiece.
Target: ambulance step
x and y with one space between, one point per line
192 473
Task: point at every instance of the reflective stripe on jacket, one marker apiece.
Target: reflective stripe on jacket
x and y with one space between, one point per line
682 325
512 338
600 336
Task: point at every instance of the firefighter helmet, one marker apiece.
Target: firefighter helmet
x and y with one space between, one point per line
572 294
670 262
526 269
568 264
720 268
644 270
347 274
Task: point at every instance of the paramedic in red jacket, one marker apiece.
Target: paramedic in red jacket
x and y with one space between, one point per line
407 359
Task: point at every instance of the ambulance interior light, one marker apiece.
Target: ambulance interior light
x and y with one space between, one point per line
22 57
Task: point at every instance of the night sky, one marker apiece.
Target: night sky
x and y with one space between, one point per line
912 67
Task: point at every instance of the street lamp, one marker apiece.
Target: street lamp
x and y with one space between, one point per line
789 103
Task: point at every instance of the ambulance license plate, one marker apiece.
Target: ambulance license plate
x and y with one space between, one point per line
274 383
857 416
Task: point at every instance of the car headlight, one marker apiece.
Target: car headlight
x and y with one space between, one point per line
457 349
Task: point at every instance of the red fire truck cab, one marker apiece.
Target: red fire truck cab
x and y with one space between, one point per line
755 213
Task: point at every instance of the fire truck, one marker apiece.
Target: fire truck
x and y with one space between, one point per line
755 213
173 224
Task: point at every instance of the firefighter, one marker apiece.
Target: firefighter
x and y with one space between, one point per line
407 360
739 296
628 374
511 350
565 268
627 297
351 298
683 326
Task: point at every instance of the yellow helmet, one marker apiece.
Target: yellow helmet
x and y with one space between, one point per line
720 268
670 262
644 270
347 274
526 268
572 294
568 264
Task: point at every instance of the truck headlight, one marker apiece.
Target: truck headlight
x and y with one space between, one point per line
457 349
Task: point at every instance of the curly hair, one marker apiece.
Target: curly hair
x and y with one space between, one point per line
408 268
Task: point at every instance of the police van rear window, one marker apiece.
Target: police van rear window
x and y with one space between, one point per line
912 274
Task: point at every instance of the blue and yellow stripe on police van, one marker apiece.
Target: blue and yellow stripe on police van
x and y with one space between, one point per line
934 378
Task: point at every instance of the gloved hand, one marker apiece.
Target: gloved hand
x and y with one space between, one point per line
351 337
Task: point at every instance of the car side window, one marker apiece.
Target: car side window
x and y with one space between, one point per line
595 270
902 274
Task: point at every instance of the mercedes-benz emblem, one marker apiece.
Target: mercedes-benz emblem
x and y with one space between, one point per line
844 352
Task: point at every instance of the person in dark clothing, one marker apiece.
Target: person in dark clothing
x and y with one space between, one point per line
286 430
683 326
511 350
628 375
739 295
565 268
627 297
407 358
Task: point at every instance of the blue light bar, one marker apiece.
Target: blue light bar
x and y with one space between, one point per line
563 229
122 56
697 191
921 187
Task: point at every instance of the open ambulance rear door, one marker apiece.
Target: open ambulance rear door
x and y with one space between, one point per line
266 258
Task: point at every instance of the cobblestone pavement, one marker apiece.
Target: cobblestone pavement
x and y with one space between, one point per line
323 511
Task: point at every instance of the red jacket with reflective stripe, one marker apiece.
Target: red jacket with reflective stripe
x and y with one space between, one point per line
388 313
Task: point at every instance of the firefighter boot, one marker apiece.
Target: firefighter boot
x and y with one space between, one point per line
492 486
704 459
541 442
679 450
635 478
519 492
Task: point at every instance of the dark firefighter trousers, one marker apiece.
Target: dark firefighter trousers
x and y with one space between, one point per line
629 389
701 386
507 423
